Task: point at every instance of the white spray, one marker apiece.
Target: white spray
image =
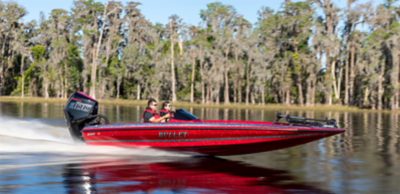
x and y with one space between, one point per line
33 136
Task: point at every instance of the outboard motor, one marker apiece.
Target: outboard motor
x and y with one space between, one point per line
81 111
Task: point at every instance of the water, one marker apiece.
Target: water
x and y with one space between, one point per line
37 156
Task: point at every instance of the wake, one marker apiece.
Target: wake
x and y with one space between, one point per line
34 130
34 137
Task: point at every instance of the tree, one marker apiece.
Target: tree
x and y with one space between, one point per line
220 19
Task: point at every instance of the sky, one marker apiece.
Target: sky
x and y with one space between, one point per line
160 10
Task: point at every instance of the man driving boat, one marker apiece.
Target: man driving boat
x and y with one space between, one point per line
150 114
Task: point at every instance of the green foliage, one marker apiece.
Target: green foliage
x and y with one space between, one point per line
38 52
285 48
216 9
296 62
74 68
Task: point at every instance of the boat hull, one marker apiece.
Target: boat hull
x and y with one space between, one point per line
208 138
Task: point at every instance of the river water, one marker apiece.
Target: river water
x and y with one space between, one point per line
37 156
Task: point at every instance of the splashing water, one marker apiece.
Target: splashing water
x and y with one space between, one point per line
33 129
33 136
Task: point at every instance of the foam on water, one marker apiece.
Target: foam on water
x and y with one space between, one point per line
30 136
33 129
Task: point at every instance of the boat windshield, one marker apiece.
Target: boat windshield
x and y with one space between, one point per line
181 114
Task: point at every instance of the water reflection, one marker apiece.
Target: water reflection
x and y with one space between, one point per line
198 175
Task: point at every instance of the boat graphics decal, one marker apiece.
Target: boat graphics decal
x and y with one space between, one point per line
81 106
209 139
172 134
151 126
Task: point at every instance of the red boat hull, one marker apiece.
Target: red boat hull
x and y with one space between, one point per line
207 137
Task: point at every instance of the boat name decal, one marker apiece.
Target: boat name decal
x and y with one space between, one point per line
172 134
80 106
89 134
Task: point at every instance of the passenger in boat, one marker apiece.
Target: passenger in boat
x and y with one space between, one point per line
165 109
150 115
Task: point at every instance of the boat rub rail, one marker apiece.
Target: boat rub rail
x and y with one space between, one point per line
169 126
208 139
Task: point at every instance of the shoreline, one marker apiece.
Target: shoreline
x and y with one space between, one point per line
125 102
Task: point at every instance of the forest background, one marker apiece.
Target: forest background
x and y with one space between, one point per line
305 53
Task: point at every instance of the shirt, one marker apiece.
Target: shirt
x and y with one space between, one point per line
147 116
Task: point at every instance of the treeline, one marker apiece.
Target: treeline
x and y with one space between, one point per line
305 53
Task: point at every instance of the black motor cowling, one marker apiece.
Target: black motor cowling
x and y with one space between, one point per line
81 111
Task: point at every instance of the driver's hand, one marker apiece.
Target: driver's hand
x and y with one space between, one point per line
167 116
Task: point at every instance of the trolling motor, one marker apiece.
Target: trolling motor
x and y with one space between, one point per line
308 121
81 111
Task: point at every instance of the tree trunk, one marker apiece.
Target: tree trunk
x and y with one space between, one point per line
226 89
138 92
203 100
96 51
46 84
339 82
118 85
192 81
313 91
288 96
217 95
300 88
247 92
101 84
329 27
22 76
366 95
86 61
335 87
262 95
380 87
93 75
58 90
2 77
208 96
172 64
253 100
395 74
360 93
352 74
248 81
100 73
239 90
346 77
308 100
61 82
235 91
65 76
2 80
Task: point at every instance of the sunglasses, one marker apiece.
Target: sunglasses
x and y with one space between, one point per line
168 105
154 104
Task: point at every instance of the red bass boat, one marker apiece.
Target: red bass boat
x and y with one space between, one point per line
186 133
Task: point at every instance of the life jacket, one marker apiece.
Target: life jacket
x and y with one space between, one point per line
154 113
164 111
